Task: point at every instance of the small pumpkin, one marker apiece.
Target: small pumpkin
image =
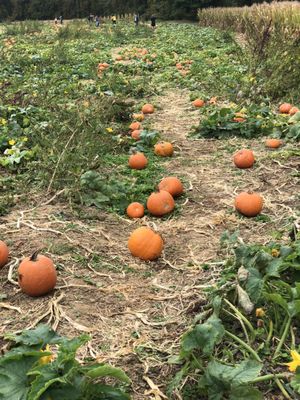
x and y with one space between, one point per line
135 210
136 134
249 204
164 149
147 109
273 143
4 253
294 110
160 203
198 103
138 117
285 108
119 57
145 244
179 66
239 119
137 161
37 275
244 158
105 65
172 185
135 126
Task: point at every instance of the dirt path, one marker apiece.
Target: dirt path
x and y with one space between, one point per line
136 311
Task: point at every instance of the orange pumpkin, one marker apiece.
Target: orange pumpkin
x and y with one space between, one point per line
179 66
285 108
137 161
136 134
135 126
4 253
105 65
164 149
160 203
37 275
148 109
172 185
244 158
138 117
273 143
119 57
145 244
249 204
294 110
198 103
239 119
135 210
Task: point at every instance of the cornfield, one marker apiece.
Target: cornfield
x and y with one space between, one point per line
271 34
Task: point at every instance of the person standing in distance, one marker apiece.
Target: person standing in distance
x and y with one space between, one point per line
153 21
136 19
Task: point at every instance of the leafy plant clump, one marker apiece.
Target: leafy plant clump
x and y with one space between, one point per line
250 122
42 365
243 341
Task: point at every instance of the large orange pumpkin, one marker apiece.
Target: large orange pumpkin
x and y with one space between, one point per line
198 103
273 143
135 126
37 275
294 110
145 244
285 108
172 185
244 158
163 149
148 109
136 134
137 161
135 210
4 253
249 204
160 203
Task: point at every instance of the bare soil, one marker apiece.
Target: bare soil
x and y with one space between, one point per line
137 311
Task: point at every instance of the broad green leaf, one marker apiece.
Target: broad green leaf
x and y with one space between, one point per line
295 382
40 336
294 308
254 284
245 393
105 392
14 382
104 371
204 337
277 299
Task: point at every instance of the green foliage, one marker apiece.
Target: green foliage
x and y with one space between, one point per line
229 346
25 376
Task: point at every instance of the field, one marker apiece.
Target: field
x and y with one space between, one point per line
217 314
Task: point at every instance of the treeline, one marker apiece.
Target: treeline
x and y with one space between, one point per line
165 9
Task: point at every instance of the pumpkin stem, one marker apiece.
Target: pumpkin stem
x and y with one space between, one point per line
35 255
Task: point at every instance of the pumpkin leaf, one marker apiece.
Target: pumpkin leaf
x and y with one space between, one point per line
245 393
98 371
14 380
38 337
204 337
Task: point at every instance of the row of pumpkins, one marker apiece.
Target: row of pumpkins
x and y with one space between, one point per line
37 274
146 244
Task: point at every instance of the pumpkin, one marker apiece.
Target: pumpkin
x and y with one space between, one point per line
105 65
136 134
239 119
145 244
148 109
198 103
249 204
135 210
101 67
172 185
4 253
163 149
273 143
285 108
119 58
294 110
179 66
138 117
160 203
244 158
37 275
137 161
135 126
